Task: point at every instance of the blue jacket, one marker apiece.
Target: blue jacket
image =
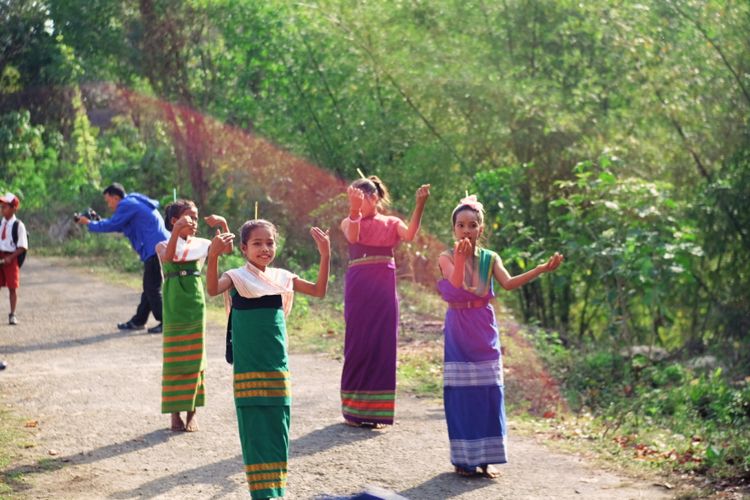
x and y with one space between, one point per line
138 218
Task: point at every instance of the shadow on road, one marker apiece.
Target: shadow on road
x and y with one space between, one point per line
11 476
446 485
332 436
217 474
65 343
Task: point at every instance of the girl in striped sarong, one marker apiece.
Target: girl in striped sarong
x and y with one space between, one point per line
184 313
368 380
473 376
261 298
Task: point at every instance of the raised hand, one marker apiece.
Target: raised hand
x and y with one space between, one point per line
214 220
220 243
183 222
462 249
356 198
553 262
423 192
322 240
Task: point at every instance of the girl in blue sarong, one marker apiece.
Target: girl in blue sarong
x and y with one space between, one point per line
473 374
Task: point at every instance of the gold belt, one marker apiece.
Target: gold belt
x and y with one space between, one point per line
373 259
472 304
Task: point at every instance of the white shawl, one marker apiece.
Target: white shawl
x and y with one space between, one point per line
189 250
250 282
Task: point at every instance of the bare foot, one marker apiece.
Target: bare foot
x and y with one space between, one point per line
465 472
490 472
191 425
177 424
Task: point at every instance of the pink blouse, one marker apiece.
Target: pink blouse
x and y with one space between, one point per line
379 231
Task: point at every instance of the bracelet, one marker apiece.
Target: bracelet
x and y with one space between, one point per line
355 219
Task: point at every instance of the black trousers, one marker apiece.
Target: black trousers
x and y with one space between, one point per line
151 296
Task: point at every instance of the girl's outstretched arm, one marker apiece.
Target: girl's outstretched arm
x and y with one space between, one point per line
214 220
350 225
319 288
215 284
512 282
405 232
453 269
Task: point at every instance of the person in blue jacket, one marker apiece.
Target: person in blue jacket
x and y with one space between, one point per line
137 217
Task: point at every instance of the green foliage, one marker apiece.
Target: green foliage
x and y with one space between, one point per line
723 295
79 167
27 163
48 172
693 420
31 46
632 248
98 33
141 159
111 249
84 153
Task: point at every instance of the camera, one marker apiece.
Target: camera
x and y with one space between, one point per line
88 213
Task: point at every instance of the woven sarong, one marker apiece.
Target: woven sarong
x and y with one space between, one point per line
262 392
368 379
473 377
184 317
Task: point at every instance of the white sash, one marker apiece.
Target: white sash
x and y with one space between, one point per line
188 250
251 283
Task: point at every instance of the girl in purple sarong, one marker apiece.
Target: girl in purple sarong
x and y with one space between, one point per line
473 373
368 380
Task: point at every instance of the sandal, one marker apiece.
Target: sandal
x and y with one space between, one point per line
465 472
374 425
365 425
490 473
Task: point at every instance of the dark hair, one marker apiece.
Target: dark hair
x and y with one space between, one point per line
373 185
175 210
461 208
253 224
115 189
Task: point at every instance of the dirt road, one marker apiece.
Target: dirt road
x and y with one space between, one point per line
94 393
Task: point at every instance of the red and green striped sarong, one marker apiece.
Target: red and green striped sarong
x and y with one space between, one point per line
184 316
368 406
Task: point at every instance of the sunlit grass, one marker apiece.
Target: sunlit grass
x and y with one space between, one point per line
317 325
11 438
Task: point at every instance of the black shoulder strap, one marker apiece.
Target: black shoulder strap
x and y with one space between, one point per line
14 234
228 354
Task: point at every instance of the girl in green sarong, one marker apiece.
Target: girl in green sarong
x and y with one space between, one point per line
184 313
261 297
